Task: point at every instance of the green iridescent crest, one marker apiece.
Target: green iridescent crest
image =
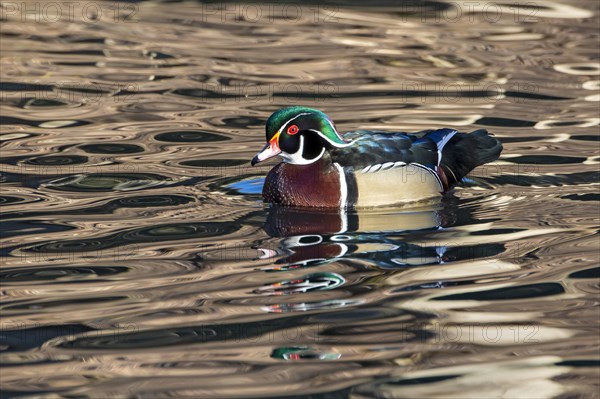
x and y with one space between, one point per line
305 118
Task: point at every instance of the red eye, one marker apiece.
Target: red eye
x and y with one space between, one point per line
293 129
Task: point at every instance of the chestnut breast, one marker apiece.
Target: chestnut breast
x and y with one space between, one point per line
313 185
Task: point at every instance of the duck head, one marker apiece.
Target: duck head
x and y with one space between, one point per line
299 135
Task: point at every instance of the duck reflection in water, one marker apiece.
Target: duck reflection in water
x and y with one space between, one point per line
382 239
313 237
367 239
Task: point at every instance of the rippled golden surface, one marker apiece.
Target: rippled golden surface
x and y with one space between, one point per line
138 260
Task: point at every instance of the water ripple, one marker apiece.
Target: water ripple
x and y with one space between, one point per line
137 256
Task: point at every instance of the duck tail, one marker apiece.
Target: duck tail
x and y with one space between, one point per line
464 152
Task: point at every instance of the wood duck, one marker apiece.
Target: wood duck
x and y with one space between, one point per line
362 169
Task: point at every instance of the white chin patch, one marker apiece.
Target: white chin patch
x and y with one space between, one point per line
297 159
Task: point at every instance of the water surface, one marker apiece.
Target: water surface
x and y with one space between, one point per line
139 261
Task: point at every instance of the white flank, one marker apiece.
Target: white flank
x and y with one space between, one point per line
431 172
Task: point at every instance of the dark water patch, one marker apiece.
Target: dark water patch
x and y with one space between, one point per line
111 148
9 120
525 178
8 199
504 122
587 273
180 65
255 59
76 52
243 122
162 232
206 94
11 34
74 63
159 106
77 39
61 248
39 305
98 182
405 332
25 87
585 68
31 103
338 394
124 95
554 123
509 293
423 380
142 201
357 314
586 137
191 136
534 96
151 201
65 274
14 228
57 160
582 197
22 159
516 139
176 336
353 81
545 159
89 89
214 163
178 231
580 363
28 338
128 78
